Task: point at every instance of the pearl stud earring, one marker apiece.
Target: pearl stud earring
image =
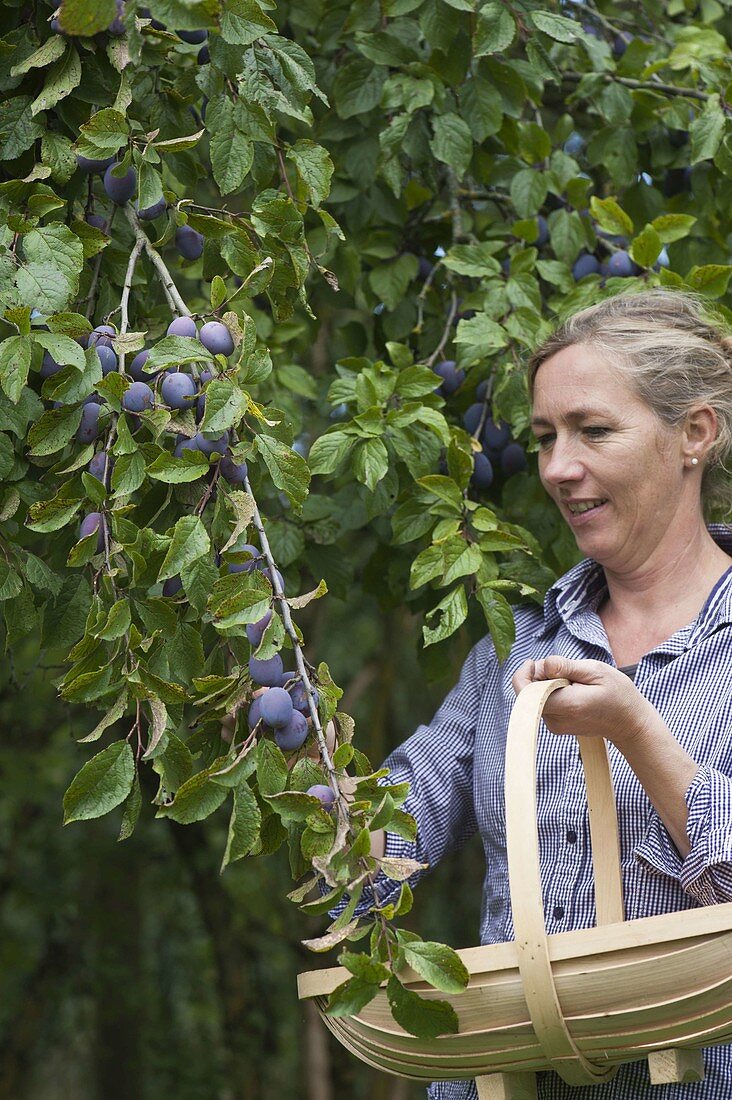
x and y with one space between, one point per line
695 462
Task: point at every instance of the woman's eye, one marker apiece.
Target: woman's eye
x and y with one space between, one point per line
597 432
543 440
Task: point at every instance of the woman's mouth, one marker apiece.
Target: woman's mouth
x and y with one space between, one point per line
582 511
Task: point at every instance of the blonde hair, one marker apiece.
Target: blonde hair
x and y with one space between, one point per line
676 353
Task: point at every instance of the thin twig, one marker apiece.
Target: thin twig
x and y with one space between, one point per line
171 290
649 85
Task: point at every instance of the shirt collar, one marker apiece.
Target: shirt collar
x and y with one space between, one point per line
583 586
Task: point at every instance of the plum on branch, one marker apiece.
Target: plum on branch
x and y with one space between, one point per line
188 242
216 337
178 390
92 522
120 188
137 398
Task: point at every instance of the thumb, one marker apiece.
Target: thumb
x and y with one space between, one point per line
555 667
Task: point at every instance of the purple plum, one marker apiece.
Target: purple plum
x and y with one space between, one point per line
101 467
172 586
188 242
255 631
137 398
107 358
482 475
276 707
182 326
102 334
88 164
293 735
49 366
151 212
178 390
195 38
233 472
325 795
94 521
88 429
513 459
216 337
120 188
255 712
211 446
452 378
266 673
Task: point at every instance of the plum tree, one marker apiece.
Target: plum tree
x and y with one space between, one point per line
255 631
97 221
234 472
120 188
88 429
325 795
188 242
107 358
276 707
137 398
291 737
178 390
452 377
216 337
91 523
496 436
267 673
151 212
182 326
135 369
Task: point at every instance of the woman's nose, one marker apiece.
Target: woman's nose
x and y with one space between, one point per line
561 463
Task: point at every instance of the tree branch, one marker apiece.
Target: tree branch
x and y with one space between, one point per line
171 290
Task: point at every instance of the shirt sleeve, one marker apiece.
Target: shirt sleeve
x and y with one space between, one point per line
437 762
706 872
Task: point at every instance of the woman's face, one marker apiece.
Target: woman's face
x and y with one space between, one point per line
601 445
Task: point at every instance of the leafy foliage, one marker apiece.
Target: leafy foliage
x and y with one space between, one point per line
382 205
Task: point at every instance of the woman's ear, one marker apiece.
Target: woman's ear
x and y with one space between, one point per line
699 431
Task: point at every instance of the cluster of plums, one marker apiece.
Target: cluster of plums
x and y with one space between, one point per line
498 448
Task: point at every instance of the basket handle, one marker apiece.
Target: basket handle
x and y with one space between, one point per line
525 878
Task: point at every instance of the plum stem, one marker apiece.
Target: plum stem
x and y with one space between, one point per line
125 298
171 290
299 659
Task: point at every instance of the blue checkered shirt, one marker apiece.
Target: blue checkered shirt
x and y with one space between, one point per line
455 768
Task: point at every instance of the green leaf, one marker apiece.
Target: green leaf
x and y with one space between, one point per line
86 17
646 247
176 351
499 617
104 134
190 541
195 800
103 783
239 598
611 217
452 142
131 812
439 965
706 130
478 337
449 614
226 404
18 129
390 280
175 471
63 349
15 358
271 769
357 87
495 29
673 227
314 167
61 79
329 452
243 22
351 996
473 259
45 55
244 825
53 430
288 470
557 27
112 715
528 192
232 153
419 1016
370 462
711 279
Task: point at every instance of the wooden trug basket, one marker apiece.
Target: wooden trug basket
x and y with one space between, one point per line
580 1003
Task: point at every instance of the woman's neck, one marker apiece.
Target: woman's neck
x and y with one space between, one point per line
668 592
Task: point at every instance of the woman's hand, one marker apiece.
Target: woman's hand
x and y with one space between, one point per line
599 702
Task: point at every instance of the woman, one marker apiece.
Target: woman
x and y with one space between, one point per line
632 412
